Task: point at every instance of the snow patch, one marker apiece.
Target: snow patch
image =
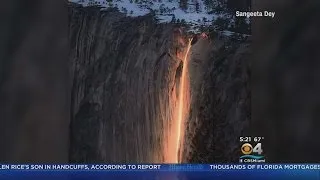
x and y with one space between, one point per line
195 13
165 10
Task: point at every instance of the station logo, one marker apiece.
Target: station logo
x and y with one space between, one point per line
251 152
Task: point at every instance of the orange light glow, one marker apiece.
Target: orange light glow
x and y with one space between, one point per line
181 105
174 137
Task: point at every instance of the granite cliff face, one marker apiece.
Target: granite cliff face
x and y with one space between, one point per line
122 89
125 84
220 108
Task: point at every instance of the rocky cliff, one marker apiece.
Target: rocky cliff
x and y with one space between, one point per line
126 74
123 78
220 108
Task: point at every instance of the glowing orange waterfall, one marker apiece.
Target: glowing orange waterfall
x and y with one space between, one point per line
174 139
175 133
181 104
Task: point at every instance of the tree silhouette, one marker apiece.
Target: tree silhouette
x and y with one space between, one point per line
183 4
197 7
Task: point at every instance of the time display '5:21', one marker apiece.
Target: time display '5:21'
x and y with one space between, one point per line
245 139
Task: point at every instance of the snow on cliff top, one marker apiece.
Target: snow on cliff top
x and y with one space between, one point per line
195 14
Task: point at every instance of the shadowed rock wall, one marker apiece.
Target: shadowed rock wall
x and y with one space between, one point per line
122 88
221 101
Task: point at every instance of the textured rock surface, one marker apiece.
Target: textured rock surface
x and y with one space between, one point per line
220 109
122 87
126 73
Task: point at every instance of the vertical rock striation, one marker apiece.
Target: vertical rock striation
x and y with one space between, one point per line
220 105
122 88
126 74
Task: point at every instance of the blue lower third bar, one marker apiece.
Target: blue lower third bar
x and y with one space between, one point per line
159 171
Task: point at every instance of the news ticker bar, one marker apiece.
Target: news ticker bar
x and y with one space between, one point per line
158 167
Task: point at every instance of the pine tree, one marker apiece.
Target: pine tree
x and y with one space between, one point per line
124 10
197 7
162 8
204 19
173 19
183 4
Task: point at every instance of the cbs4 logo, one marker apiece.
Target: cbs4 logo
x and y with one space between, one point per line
247 148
